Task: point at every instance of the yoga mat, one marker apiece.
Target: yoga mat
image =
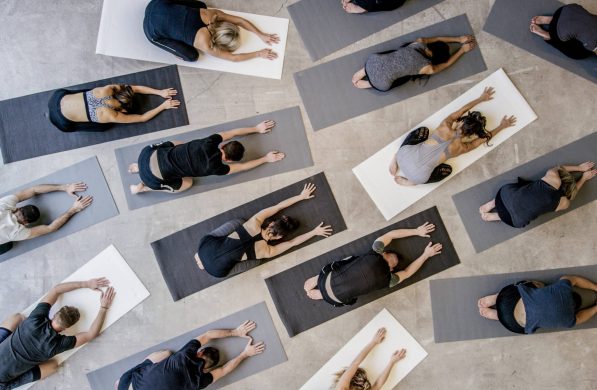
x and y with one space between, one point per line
54 204
121 35
299 313
325 27
288 136
273 355
175 252
397 337
26 130
454 303
326 82
513 27
483 234
391 198
129 293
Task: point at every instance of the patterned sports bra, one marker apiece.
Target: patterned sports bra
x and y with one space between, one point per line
92 103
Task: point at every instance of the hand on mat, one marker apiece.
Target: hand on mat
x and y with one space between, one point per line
398 355
308 190
432 250
244 328
274 156
588 175
170 103
73 188
166 93
97 284
586 166
469 46
268 54
467 39
270 38
487 94
324 231
379 336
508 121
254 349
425 229
265 126
82 203
107 297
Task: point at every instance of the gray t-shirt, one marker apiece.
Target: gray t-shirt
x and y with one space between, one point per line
383 69
577 23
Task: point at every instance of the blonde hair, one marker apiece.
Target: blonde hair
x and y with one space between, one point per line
568 185
225 36
359 380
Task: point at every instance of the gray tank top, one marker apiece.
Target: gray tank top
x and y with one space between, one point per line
383 69
417 162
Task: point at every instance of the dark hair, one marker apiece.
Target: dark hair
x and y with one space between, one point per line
392 252
234 150
568 186
30 213
440 52
124 94
211 356
281 226
473 123
67 316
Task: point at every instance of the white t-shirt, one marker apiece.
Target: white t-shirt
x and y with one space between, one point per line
10 228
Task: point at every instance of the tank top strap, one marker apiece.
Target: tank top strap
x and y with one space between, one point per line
247 241
92 103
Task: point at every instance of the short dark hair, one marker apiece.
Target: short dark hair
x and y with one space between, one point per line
67 316
211 356
30 213
281 226
125 95
440 52
234 150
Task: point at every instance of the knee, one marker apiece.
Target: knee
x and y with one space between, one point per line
157 357
48 368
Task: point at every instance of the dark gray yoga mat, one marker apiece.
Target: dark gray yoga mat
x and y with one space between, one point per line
454 303
299 313
104 378
329 96
483 234
288 136
325 27
26 131
53 204
510 20
175 252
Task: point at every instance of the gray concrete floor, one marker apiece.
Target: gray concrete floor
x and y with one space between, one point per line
48 45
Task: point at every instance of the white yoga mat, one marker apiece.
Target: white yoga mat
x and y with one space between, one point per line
391 198
129 293
396 338
121 35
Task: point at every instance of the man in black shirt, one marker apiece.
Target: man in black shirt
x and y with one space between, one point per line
170 166
191 367
28 344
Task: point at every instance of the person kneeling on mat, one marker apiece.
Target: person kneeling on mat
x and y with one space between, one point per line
341 282
355 377
526 306
192 367
170 166
421 159
27 344
240 245
98 108
363 6
412 61
517 204
572 30
14 220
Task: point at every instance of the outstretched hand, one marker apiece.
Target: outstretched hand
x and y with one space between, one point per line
73 188
379 336
487 94
82 203
270 39
466 39
107 297
274 156
243 329
425 229
267 54
588 175
432 249
168 92
324 231
96 284
508 121
170 103
586 166
398 355
265 126
308 190
254 349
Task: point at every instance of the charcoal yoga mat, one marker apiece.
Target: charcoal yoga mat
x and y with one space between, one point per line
26 130
485 235
454 303
299 313
321 86
175 252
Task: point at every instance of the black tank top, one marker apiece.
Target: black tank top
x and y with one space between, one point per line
360 276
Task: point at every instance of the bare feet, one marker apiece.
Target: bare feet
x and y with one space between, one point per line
362 84
311 283
535 29
487 207
134 168
490 217
490 314
137 189
198 261
487 301
541 19
352 8
315 295
403 181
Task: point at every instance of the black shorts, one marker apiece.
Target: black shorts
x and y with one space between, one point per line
147 176
32 375
134 375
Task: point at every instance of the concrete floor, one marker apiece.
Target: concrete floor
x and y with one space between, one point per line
47 45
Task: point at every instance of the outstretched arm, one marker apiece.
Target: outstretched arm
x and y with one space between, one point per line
460 39
165 93
247 25
62 288
240 331
383 377
275 250
78 206
468 43
271 157
263 127
579 281
485 96
120 117
70 189
468 146
430 251
344 380
306 193
106 300
422 231
250 350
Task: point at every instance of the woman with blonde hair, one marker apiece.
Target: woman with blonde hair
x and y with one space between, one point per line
517 204
186 27
355 377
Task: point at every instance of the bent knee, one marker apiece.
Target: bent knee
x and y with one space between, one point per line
158 356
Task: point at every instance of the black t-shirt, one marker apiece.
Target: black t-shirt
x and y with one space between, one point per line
181 371
360 276
32 343
200 157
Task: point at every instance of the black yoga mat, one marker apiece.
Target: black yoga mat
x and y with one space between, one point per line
454 303
322 86
288 136
510 20
299 313
325 27
26 130
54 204
274 354
175 252
483 234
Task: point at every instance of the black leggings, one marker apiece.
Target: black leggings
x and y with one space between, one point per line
5 247
66 125
379 5
572 48
419 135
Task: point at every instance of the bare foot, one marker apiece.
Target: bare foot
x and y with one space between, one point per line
362 84
487 301
542 19
403 181
490 314
487 207
535 29
198 261
137 189
352 8
315 295
310 283
134 168
359 74
490 217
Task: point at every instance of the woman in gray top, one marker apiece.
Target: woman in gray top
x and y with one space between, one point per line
420 159
424 57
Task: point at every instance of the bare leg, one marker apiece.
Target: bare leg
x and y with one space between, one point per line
48 368
198 261
134 168
535 29
352 8
311 283
490 217
487 207
315 295
12 322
